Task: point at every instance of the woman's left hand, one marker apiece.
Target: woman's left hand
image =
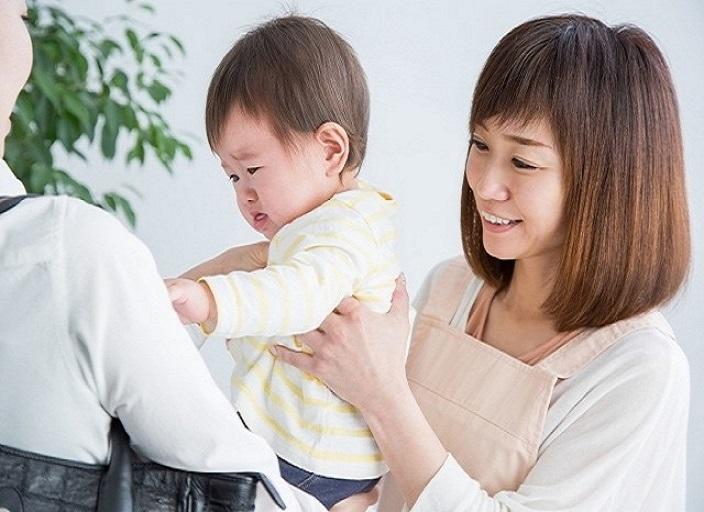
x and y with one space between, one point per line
359 354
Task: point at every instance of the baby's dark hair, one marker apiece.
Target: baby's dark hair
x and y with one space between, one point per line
297 73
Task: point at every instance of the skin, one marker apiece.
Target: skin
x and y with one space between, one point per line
16 59
263 169
360 354
515 172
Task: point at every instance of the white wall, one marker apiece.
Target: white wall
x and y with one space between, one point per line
422 60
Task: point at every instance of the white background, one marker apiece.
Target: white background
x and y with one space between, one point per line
422 60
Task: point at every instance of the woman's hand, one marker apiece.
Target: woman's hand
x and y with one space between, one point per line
244 257
359 354
358 502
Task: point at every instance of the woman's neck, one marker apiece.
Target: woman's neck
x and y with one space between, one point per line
531 284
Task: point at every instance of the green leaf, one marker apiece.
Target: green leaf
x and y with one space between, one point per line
119 79
117 203
135 44
107 46
158 91
46 86
113 115
108 141
156 61
128 117
78 109
137 152
178 44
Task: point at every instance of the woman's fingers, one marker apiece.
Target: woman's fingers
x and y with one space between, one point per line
399 299
313 338
300 360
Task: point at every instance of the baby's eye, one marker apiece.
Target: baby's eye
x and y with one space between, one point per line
478 144
234 178
252 170
520 164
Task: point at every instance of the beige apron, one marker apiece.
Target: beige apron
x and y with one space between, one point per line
487 408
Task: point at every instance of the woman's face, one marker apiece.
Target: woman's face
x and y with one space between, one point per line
515 174
15 60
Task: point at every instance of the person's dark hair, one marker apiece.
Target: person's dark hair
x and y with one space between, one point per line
608 97
297 73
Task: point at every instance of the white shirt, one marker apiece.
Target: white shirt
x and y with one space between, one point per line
9 184
614 439
88 333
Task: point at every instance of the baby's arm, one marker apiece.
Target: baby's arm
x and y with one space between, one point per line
193 301
323 262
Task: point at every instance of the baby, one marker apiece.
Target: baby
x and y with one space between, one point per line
287 114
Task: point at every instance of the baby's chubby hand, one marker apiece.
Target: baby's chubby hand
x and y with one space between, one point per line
193 302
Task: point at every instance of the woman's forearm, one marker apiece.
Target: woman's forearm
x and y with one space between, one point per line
245 257
411 449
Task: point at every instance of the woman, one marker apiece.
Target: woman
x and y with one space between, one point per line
541 375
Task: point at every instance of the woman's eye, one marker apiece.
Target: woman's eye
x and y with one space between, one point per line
520 164
234 178
252 170
478 144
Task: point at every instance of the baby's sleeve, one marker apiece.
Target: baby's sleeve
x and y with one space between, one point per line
313 267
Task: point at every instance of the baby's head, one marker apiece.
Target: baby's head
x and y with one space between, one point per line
287 113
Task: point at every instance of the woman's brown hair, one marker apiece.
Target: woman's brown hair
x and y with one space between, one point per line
298 73
609 99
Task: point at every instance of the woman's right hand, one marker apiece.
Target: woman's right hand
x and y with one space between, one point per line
244 257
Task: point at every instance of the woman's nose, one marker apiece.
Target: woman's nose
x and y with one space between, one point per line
491 184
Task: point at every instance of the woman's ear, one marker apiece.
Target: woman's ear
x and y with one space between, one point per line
336 147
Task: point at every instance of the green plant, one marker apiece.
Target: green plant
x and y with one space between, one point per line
88 88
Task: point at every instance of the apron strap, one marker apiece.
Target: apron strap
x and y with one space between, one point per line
585 347
447 289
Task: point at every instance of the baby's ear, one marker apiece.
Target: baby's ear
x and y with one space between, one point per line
336 146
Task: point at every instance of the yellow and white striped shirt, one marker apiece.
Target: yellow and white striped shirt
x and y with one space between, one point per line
345 247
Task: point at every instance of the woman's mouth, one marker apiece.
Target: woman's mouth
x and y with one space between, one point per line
497 224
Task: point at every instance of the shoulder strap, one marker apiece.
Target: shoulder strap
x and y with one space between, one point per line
448 284
9 202
584 348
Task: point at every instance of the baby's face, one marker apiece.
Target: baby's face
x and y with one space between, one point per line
274 184
15 60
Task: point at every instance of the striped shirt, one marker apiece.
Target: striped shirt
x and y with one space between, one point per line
342 248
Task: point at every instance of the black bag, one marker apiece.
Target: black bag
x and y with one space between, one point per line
30 482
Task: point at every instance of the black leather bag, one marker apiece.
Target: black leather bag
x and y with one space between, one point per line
30 482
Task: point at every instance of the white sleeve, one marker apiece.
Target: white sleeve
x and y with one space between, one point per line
145 369
621 447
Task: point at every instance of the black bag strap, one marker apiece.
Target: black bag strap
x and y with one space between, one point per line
9 202
115 493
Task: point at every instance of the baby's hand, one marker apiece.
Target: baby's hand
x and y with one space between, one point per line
193 301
